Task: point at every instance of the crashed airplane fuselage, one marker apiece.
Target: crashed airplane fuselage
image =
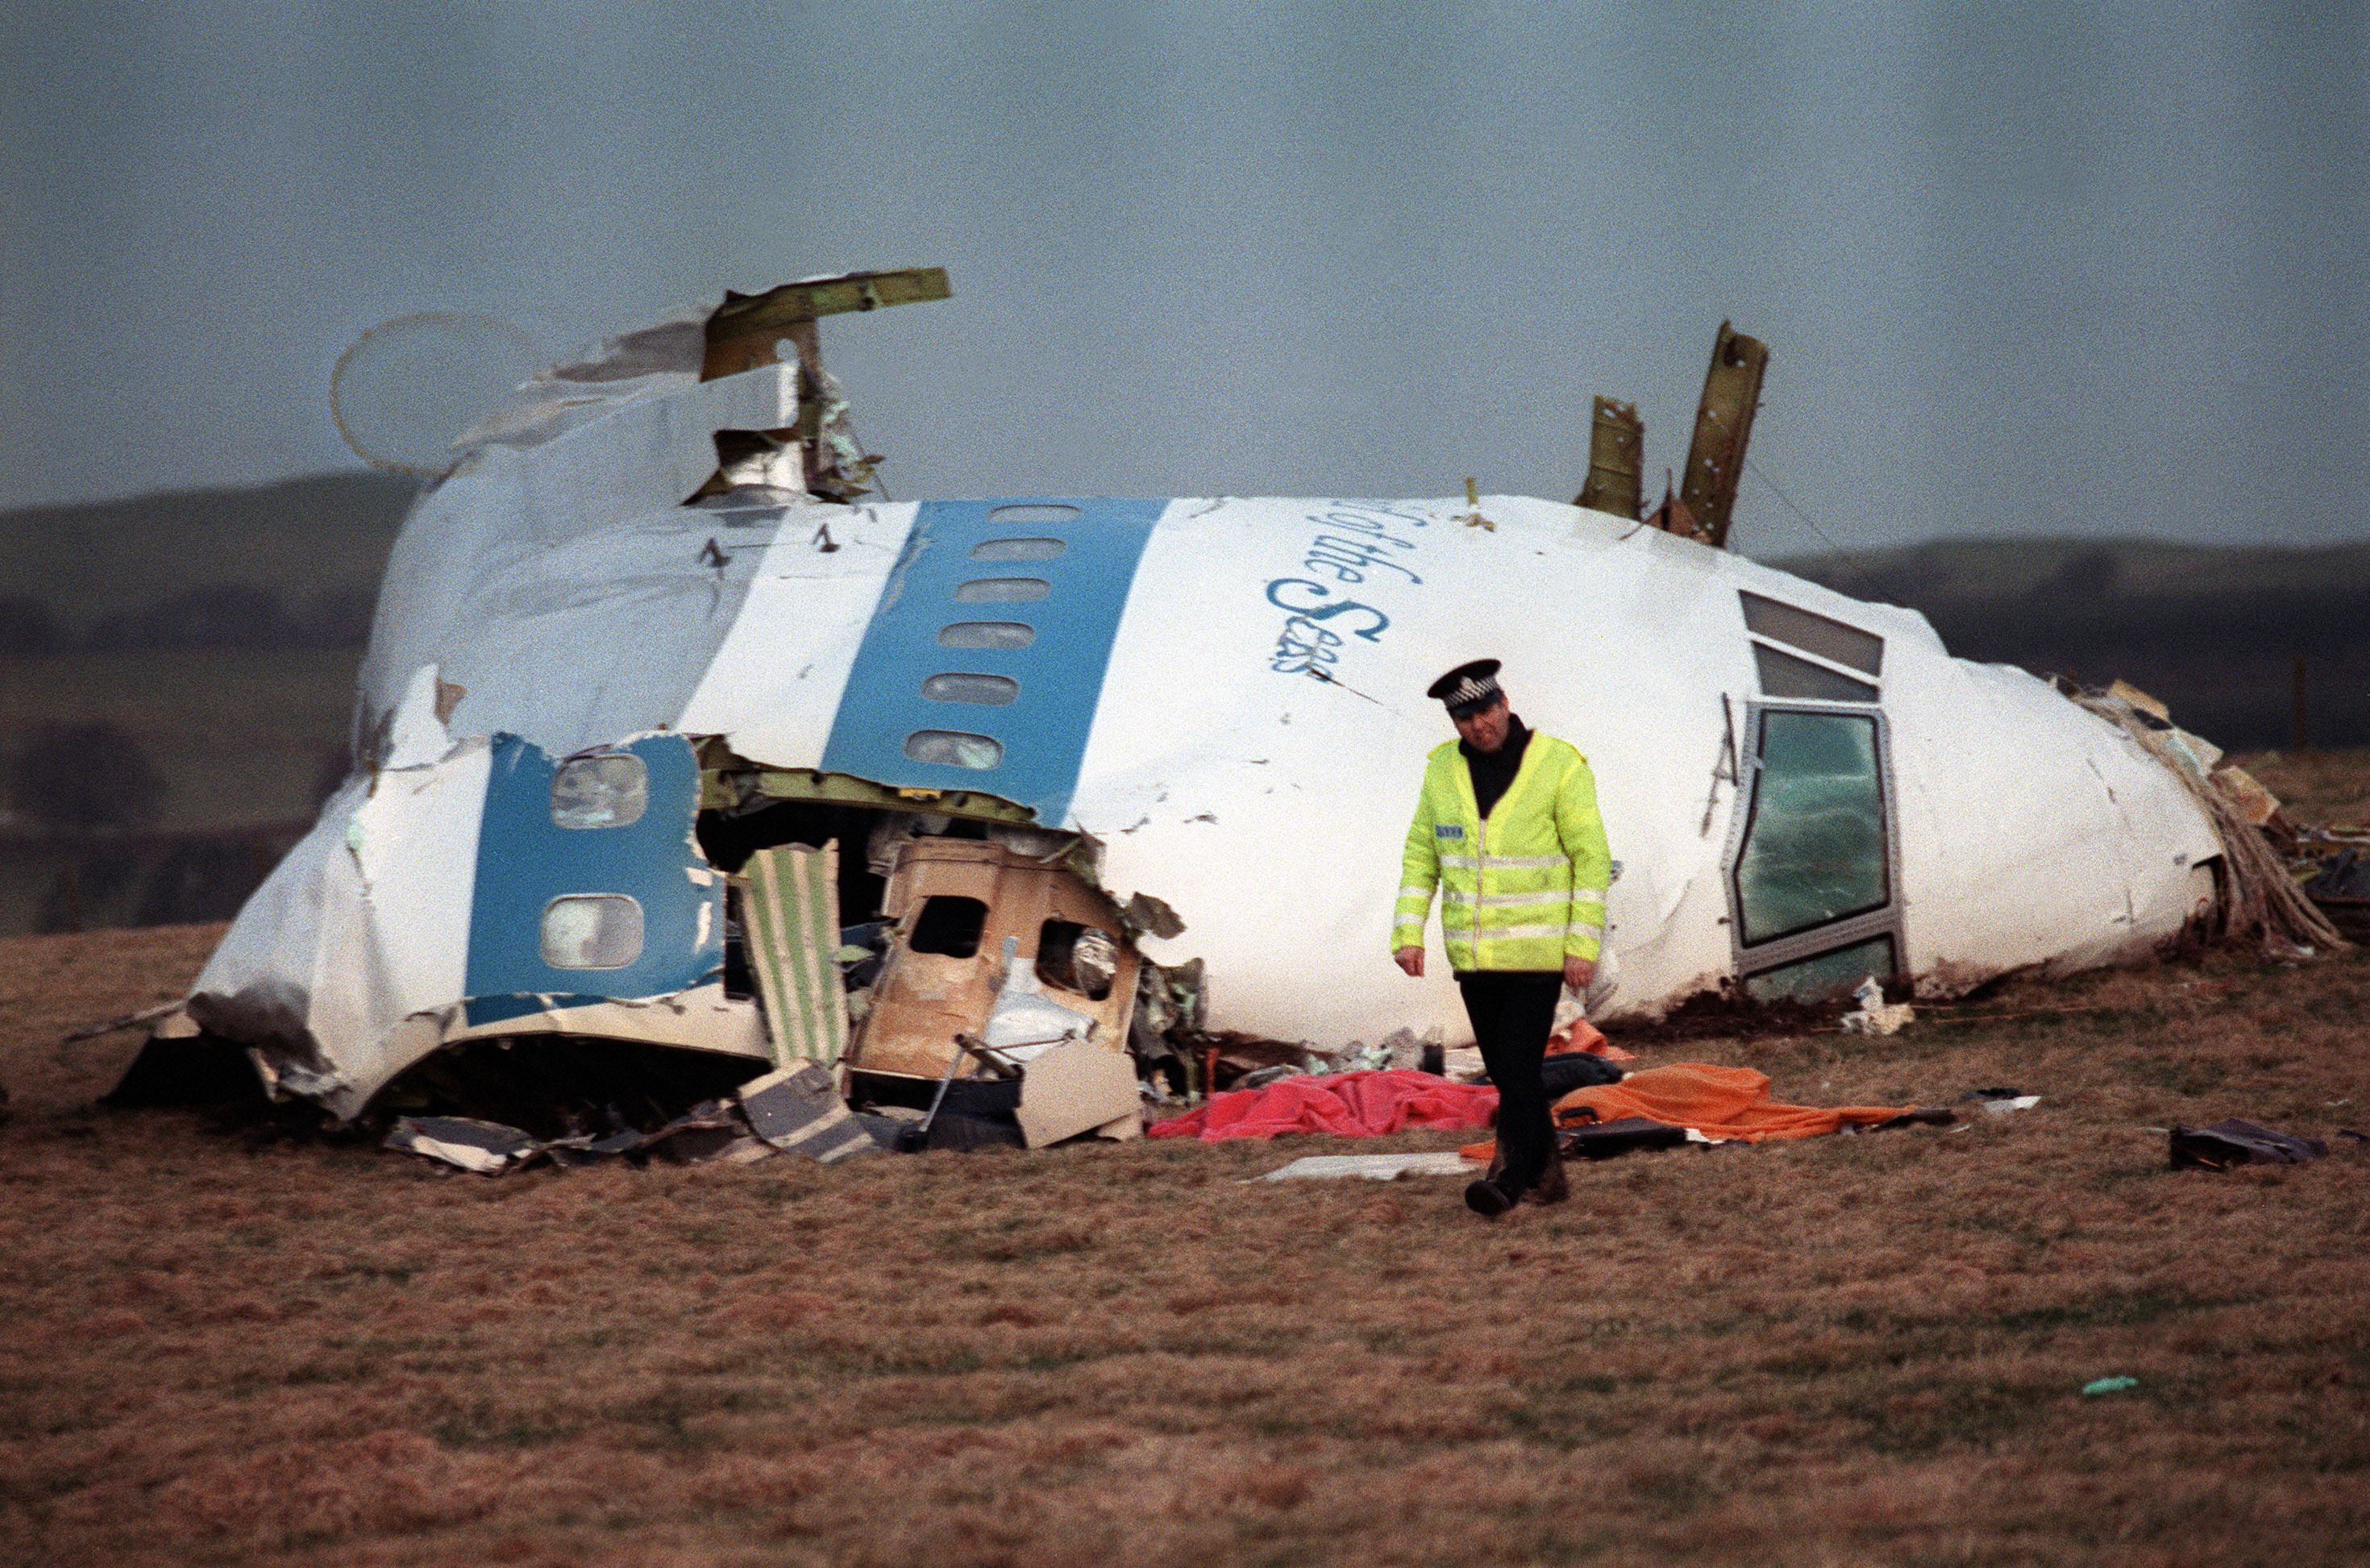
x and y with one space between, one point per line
587 700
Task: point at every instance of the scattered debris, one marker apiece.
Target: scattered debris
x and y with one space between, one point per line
1875 1015
799 1111
2257 805
1266 1075
1078 1088
1604 1141
1732 393
2340 888
790 904
2225 1144
129 1021
1616 445
1568 1070
1025 1023
488 1148
2260 899
1373 1167
792 1110
2000 1102
955 901
2108 1386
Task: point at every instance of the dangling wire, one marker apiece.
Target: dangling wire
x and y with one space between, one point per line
1809 522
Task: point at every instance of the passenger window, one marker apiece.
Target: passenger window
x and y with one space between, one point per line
1782 674
1026 512
1002 589
953 748
612 790
986 634
1078 958
1815 843
1017 549
992 691
592 931
1815 979
949 925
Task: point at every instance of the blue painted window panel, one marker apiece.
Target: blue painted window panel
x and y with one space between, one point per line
525 860
1060 672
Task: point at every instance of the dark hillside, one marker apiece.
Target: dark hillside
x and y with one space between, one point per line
2213 632
206 640
292 564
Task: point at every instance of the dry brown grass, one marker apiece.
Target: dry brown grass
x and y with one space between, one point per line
1852 1349
2323 787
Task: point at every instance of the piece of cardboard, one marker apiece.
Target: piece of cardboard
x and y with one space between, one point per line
1074 1089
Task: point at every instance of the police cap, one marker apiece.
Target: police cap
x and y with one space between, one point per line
1468 688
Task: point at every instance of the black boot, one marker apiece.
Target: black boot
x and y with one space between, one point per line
1488 1199
1551 1187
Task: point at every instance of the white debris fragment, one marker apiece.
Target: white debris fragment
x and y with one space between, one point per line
1874 1014
1373 1167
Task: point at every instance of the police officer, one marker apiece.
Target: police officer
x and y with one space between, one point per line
1507 828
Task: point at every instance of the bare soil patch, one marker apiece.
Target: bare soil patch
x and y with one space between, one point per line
1859 1349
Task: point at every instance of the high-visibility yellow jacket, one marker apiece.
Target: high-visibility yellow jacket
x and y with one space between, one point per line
1523 890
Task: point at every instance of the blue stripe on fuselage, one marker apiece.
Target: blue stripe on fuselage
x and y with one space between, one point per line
526 860
1042 731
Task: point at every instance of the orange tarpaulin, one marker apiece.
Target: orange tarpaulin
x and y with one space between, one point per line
1719 1102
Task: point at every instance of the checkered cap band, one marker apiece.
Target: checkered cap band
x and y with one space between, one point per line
1471 690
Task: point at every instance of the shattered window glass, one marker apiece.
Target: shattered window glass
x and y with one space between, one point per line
949 925
1814 846
1003 590
1815 978
1782 674
609 791
1018 550
1078 958
993 691
592 931
953 748
987 634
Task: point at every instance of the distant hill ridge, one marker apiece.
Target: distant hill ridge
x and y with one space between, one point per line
292 563
2213 630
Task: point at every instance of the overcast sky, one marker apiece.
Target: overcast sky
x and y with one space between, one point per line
2094 269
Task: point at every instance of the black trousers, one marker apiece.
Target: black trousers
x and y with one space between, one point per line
1511 1012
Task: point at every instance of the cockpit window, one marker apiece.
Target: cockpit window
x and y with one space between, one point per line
1814 847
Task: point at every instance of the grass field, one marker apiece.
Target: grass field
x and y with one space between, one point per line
1843 1351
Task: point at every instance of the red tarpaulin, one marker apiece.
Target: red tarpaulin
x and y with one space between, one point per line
1348 1105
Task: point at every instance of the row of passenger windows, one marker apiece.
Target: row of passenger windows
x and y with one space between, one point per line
612 790
959 748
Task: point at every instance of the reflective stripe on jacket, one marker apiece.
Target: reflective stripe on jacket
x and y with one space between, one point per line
1523 890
